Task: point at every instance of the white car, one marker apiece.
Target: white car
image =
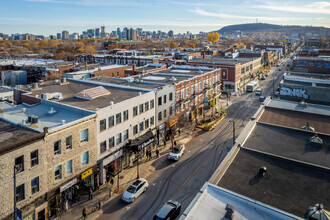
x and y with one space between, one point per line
176 153
135 190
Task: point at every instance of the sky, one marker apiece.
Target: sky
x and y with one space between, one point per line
52 16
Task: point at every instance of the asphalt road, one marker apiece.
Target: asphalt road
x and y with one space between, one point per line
182 180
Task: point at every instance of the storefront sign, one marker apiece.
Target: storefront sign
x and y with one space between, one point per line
162 127
145 143
172 122
86 173
68 185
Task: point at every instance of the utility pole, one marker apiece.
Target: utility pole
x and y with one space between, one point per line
273 87
15 212
233 132
138 173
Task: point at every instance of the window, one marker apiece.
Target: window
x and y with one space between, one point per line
19 164
103 125
146 123
152 120
171 96
57 147
111 122
84 158
34 158
84 135
125 114
178 95
58 172
118 138
68 142
192 89
118 118
159 100
141 108
146 106
152 104
135 111
135 129
159 116
187 91
20 193
125 135
164 99
103 146
141 126
182 94
118 74
165 113
113 74
35 185
111 142
171 110
69 167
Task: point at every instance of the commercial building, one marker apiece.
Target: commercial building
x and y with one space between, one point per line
311 65
65 35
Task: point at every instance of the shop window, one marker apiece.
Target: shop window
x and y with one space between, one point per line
58 172
35 185
125 135
135 111
141 126
159 116
69 167
20 193
135 129
125 114
111 142
171 96
111 122
152 104
19 164
103 146
141 108
165 113
68 142
84 158
165 99
34 158
118 118
103 125
146 106
84 135
152 120
146 123
118 138
57 147
159 100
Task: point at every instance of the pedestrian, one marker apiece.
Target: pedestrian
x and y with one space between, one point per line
111 181
90 193
84 212
109 192
179 131
164 143
108 178
157 152
150 154
174 143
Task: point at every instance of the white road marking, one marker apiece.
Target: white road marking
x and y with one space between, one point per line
153 184
173 165
128 207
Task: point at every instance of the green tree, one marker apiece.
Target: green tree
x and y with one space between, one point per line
173 45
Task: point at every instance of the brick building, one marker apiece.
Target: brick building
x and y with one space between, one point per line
311 65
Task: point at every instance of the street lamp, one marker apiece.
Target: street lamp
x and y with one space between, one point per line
233 131
138 170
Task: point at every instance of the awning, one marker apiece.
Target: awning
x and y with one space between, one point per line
139 143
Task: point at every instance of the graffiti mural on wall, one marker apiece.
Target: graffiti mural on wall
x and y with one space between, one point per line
301 93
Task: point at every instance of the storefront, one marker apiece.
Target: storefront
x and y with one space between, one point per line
110 165
171 128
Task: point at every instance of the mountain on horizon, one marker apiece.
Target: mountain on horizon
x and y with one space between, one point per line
262 27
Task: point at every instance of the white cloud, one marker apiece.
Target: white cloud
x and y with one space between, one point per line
314 8
92 2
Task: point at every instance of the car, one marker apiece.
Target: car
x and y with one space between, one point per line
135 190
261 98
176 153
170 210
263 78
280 69
258 92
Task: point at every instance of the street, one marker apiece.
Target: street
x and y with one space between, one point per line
181 180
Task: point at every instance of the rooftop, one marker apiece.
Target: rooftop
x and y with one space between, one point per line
50 114
287 185
118 93
222 60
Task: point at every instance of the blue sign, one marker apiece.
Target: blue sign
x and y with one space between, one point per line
327 65
19 214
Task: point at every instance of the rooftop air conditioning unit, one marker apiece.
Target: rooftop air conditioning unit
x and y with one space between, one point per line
35 86
63 80
46 96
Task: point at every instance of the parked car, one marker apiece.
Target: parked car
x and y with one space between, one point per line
258 92
176 153
170 210
135 190
261 98
263 78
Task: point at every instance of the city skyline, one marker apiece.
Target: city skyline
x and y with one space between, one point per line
52 16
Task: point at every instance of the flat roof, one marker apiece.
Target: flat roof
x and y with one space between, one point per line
223 60
118 93
11 135
288 143
287 185
16 114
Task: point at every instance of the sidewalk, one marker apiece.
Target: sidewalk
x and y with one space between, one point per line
126 177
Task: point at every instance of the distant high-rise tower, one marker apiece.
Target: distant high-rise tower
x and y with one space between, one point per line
97 32
118 32
102 32
58 36
65 35
170 34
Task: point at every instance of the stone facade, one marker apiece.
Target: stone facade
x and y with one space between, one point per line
7 163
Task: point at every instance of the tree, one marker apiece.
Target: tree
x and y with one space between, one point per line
79 44
90 49
81 50
173 45
192 45
213 37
